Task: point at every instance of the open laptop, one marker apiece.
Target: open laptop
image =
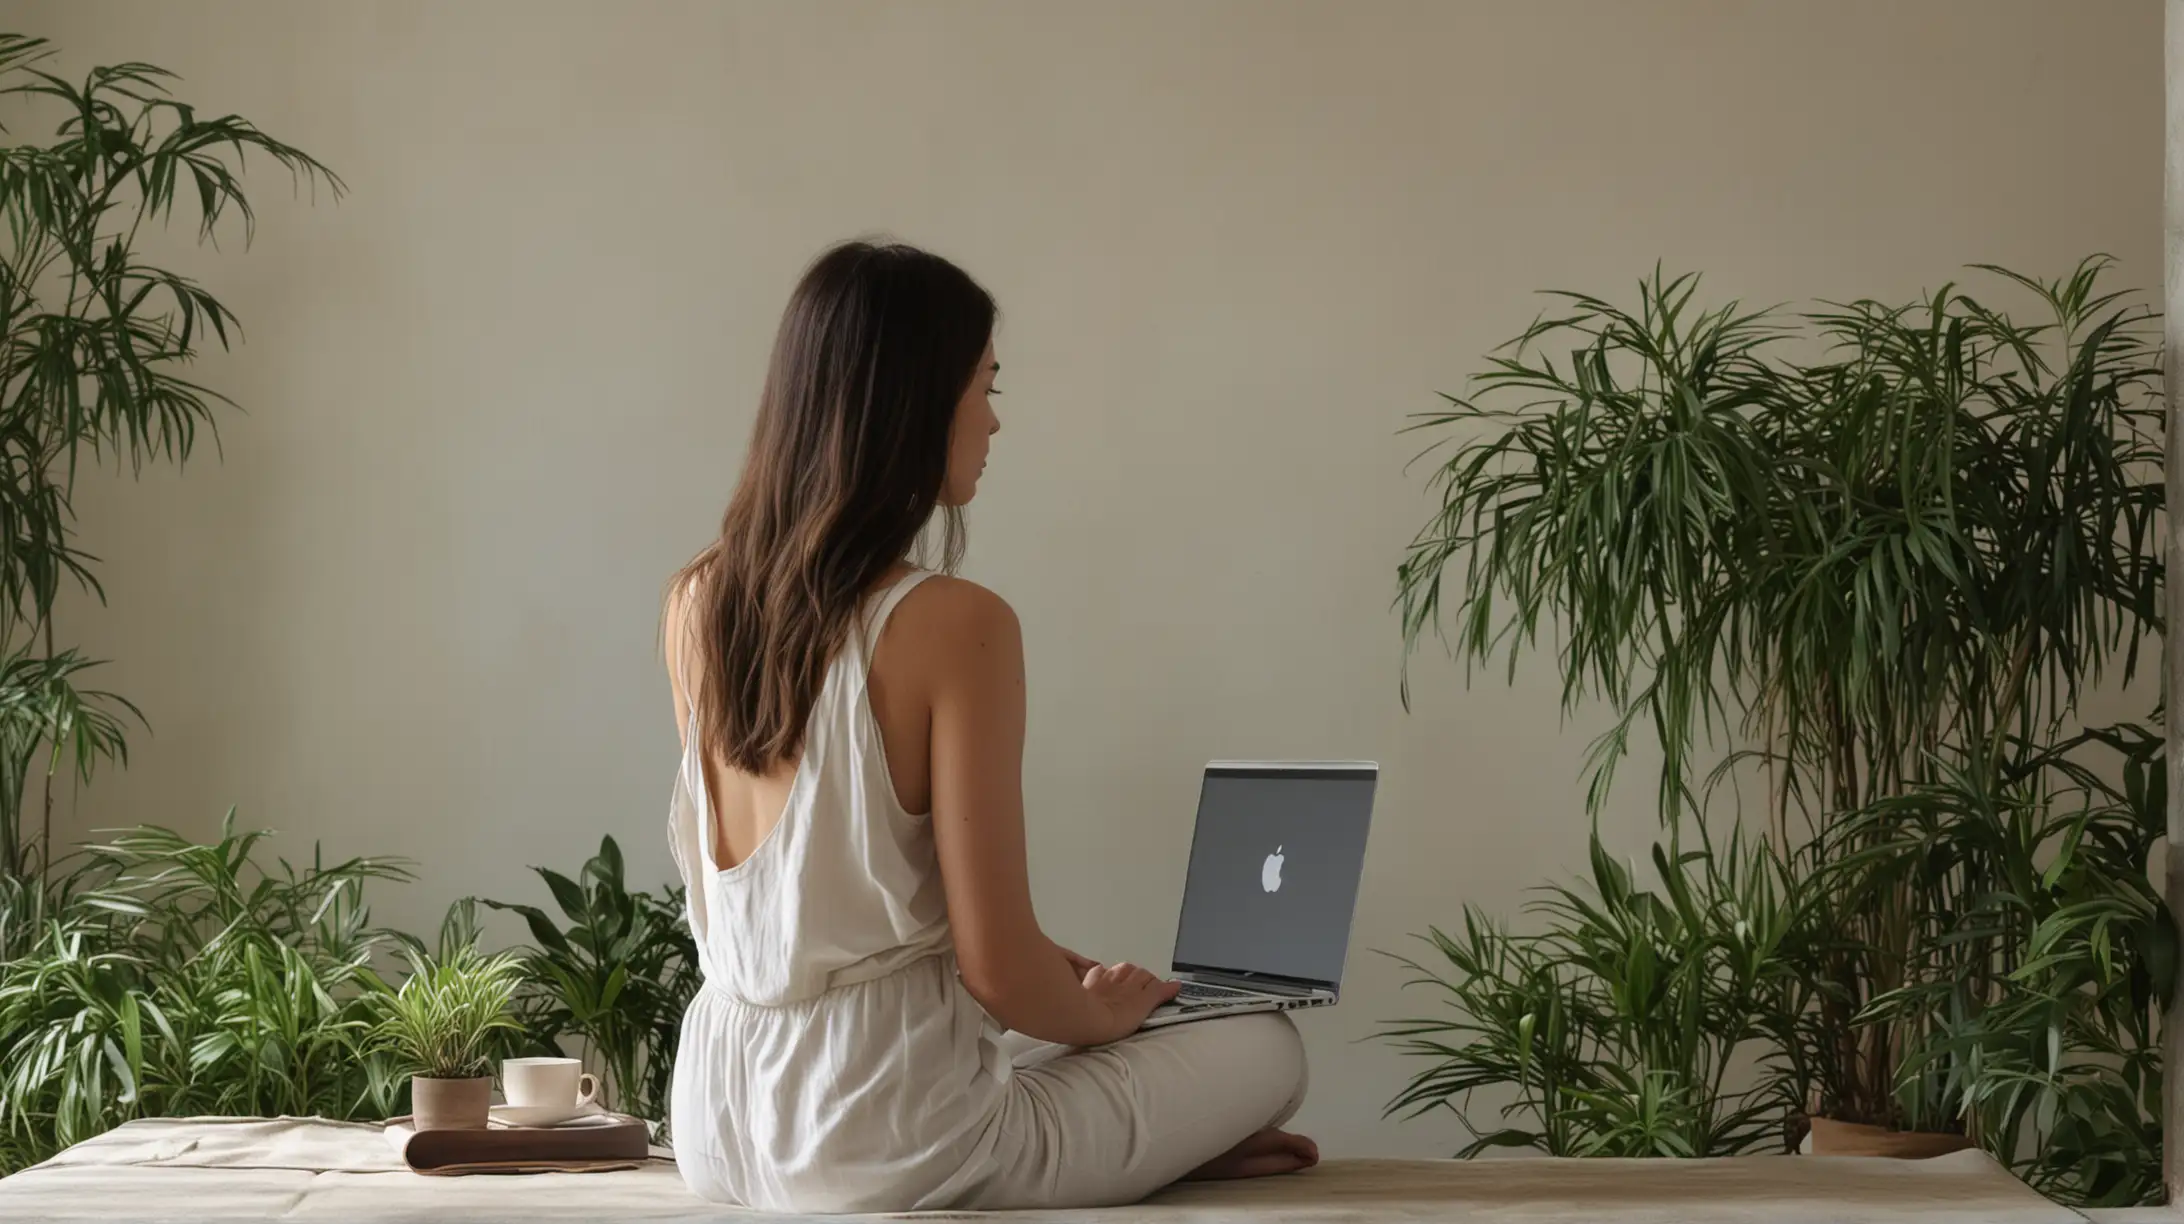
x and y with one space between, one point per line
1275 864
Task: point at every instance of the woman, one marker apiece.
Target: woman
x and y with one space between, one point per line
849 822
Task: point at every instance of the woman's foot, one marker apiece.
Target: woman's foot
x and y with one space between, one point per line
1266 1154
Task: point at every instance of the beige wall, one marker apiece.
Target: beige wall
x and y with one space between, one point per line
501 390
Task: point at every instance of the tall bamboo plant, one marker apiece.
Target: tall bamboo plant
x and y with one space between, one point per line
94 343
1858 576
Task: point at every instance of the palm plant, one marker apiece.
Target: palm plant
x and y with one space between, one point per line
1874 581
1940 535
1918 549
93 342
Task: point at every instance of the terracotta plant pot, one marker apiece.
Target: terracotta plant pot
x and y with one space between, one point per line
1833 1138
450 1104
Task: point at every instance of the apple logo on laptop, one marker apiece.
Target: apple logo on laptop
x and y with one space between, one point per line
1270 875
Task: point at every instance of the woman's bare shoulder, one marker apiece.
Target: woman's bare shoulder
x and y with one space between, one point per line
949 615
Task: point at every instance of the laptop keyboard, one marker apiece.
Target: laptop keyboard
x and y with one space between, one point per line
1204 999
1200 992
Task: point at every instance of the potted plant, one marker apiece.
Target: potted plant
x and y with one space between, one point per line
1866 558
443 1026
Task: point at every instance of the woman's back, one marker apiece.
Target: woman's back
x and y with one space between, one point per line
745 806
840 884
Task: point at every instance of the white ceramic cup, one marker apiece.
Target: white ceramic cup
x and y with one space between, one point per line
548 1083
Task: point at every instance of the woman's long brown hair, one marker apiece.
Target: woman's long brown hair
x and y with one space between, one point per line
846 467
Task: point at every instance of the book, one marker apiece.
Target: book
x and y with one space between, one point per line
590 1143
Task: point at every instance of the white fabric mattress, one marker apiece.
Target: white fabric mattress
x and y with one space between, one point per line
204 1169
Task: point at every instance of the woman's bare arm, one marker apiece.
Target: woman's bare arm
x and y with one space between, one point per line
975 666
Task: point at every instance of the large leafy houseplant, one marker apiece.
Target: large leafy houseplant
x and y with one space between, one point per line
1842 559
94 345
615 979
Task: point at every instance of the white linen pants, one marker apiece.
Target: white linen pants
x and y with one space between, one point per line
1110 1125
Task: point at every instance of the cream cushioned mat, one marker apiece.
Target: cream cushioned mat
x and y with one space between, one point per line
202 1169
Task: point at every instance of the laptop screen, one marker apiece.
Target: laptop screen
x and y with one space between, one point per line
1275 865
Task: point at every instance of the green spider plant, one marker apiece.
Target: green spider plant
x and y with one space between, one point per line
446 1019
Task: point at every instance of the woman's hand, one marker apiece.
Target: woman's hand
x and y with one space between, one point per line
1125 994
1079 964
